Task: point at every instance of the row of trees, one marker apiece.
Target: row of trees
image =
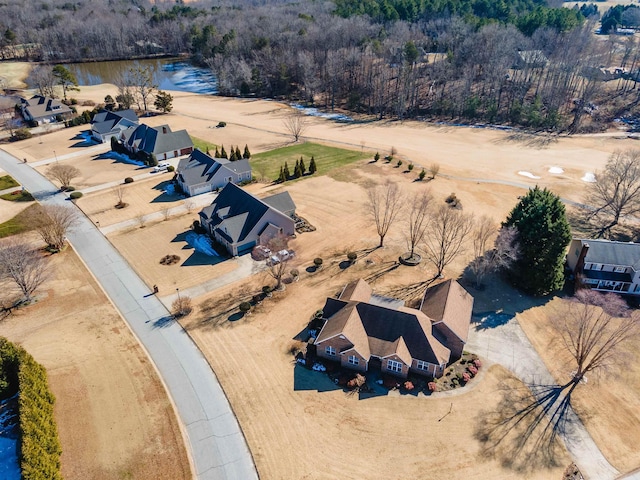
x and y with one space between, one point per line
299 170
530 244
235 153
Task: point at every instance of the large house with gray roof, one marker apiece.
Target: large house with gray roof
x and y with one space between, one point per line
107 124
365 331
240 221
159 142
606 266
41 109
200 173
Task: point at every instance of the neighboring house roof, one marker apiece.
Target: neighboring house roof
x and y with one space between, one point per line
449 303
106 121
40 107
201 168
155 140
235 212
608 276
612 253
380 331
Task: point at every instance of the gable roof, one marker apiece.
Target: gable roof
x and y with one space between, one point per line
281 202
201 168
235 212
613 253
448 302
39 106
155 140
105 121
380 331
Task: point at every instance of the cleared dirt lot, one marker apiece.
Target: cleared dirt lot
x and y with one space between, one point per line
113 414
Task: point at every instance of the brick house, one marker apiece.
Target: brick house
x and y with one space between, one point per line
364 331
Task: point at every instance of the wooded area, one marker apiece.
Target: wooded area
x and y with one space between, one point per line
525 62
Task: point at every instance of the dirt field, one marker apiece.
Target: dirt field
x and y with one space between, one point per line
113 414
617 434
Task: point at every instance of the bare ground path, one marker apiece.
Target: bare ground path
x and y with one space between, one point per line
217 445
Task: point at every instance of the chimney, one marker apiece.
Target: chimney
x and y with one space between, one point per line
164 129
581 257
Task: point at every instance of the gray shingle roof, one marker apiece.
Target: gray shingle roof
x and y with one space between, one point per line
155 140
613 253
281 202
201 168
105 121
39 106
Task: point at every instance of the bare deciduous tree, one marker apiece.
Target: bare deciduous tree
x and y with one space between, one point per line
41 77
63 173
142 80
505 249
592 336
616 193
181 306
21 264
278 259
445 240
296 124
52 222
189 205
418 220
434 169
119 191
384 205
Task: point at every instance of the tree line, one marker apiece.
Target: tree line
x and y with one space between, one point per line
521 62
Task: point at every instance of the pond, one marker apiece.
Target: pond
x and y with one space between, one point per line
9 436
169 74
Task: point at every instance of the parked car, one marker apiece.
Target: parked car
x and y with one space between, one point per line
161 167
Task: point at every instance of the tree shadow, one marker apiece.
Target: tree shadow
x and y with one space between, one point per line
164 322
531 140
523 431
306 379
84 139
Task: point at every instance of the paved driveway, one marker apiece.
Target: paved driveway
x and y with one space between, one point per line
216 442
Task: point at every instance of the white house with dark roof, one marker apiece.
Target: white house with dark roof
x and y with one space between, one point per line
200 173
160 141
40 109
606 266
364 331
106 124
240 221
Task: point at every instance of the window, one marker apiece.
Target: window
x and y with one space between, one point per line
330 351
227 179
619 269
353 360
422 365
394 366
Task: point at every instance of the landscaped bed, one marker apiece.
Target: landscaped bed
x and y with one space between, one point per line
7 181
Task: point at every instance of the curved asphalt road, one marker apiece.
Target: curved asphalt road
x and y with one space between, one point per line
217 445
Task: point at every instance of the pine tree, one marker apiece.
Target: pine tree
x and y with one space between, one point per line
303 167
238 154
312 166
297 173
232 158
281 177
247 153
223 153
217 152
543 235
286 171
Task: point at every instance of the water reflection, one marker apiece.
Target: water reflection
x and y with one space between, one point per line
169 74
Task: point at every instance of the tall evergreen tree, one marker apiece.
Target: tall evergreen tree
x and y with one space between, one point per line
223 153
297 173
217 152
543 236
238 154
303 167
247 153
281 177
286 171
233 158
312 166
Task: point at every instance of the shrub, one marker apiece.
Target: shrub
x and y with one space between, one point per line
410 167
352 256
295 346
408 386
451 198
182 306
317 262
466 377
376 157
75 195
294 272
171 168
422 174
267 290
128 180
169 259
222 124
22 134
455 382
399 163
432 386
473 370
245 307
39 445
68 188
477 363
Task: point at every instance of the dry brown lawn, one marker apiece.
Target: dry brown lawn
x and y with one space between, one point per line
114 417
144 248
141 197
609 406
299 426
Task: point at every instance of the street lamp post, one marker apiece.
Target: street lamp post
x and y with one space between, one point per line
179 302
56 156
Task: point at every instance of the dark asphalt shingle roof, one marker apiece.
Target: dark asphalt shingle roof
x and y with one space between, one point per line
105 121
155 140
201 168
281 202
613 253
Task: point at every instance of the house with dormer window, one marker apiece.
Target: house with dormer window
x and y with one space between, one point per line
40 109
239 220
364 331
605 265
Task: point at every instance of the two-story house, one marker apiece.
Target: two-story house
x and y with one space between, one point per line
200 173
